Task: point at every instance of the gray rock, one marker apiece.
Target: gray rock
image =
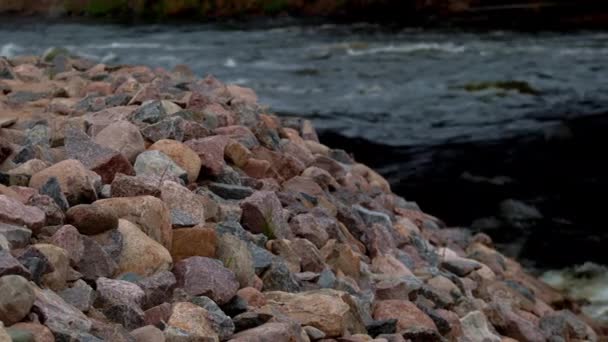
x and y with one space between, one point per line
229 191
10 265
17 236
512 211
80 295
279 278
52 189
221 323
204 276
249 320
159 165
149 112
95 262
158 288
65 321
121 302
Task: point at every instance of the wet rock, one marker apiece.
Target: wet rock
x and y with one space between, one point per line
103 160
182 155
159 165
211 153
122 136
149 213
68 238
17 236
64 320
221 323
158 288
80 296
121 302
235 255
76 183
204 276
140 254
197 241
407 314
148 333
95 262
16 298
91 219
324 309
263 213
192 320
14 212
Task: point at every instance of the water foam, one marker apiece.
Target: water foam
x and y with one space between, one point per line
408 48
10 50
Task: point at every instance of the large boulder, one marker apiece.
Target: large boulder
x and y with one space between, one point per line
149 213
204 276
75 181
182 155
140 254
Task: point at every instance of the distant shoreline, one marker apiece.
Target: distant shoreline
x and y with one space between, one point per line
482 14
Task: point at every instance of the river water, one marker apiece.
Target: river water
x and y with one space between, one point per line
457 120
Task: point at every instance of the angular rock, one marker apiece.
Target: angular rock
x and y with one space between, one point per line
250 320
149 112
140 254
279 278
196 241
325 310
68 238
475 327
103 160
204 276
129 186
52 188
310 257
192 320
95 262
182 155
14 212
407 314
306 226
121 302
39 332
149 213
180 199
60 262
221 323
158 315
263 213
17 236
158 288
211 153
53 213
235 255
230 191
76 183
16 298
122 136
91 219
64 320
159 165
272 332
80 296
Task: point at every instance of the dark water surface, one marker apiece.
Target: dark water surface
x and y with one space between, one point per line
458 121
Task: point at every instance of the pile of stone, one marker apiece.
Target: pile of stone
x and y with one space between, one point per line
148 205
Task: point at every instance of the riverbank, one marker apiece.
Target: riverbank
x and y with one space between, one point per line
529 14
149 203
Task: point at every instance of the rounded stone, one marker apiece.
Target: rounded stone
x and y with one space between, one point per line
16 298
91 219
182 155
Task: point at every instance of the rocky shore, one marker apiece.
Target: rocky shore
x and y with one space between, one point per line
151 205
